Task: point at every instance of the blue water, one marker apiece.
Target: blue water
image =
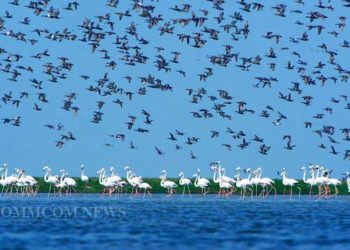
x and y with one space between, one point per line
94 222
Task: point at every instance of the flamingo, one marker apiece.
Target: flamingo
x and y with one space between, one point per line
145 186
322 181
255 180
3 181
32 183
243 183
70 183
216 178
169 185
227 186
84 178
332 181
119 183
9 181
61 184
132 180
106 182
185 183
51 179
25 183
348 180
288 182
265 182
202 183
21 184
225 182
311 181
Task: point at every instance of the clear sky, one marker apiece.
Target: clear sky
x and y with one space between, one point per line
32 145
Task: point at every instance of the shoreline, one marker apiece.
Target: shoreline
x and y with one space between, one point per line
94 187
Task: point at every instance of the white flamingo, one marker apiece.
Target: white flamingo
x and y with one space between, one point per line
225 183
216 179
255 180
106 182
26 183
288 182
228 187
332 181
169 185
310 181
51 179
21 184
61 184
84 178
145 187
266 182
185 183
202 183
9 180
322 181
348 180
3 181
71 184
133 180
243 183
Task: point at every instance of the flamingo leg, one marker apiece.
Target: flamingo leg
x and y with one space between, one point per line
310 191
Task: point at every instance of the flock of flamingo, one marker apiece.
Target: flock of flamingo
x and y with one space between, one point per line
254 185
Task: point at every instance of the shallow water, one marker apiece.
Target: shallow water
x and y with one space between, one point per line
93 222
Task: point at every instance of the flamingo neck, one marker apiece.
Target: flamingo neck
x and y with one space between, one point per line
215 178
181 179
62 177
129 175
101 177
304 175
46 177
162 181
196 181
113 173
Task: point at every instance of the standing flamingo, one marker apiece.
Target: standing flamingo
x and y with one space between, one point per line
311 181
255 180
169 185
243 183
51 179
185 183
132 180
348 180
61 184
288 182
145 186
3 181
84 178
265 182
332 181
202 183
106 182
70 182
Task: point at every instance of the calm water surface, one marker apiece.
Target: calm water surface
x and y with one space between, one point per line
94 222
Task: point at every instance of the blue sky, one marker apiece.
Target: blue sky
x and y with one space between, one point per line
31 146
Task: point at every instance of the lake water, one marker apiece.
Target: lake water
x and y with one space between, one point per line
94 222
